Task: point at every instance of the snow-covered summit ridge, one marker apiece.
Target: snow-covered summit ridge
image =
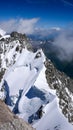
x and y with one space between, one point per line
25 88
28 94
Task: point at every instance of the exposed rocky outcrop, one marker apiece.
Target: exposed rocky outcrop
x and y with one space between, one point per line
8 121
0 35
6 45
17 35
22 39
64 89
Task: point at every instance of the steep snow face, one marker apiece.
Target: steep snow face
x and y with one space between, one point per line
24 72
2 32
26 91
52 119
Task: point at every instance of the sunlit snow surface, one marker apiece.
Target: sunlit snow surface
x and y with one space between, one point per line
28 91
2 32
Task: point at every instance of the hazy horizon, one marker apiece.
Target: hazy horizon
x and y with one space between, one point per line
35 14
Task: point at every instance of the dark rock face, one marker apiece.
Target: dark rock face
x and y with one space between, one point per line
22 38
1 74
17 35
8 121
0 36
64 89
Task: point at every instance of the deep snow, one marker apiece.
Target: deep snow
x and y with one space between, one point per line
27 91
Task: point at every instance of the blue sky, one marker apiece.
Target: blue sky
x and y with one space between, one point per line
49 12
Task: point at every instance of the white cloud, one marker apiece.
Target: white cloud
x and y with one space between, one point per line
65 42
20 25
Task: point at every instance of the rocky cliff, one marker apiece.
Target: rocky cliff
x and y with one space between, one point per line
8 121
64 89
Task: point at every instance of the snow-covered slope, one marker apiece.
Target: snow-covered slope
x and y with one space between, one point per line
52 119
4 37
25 89
2 32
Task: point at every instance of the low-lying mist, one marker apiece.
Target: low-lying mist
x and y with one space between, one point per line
64 41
